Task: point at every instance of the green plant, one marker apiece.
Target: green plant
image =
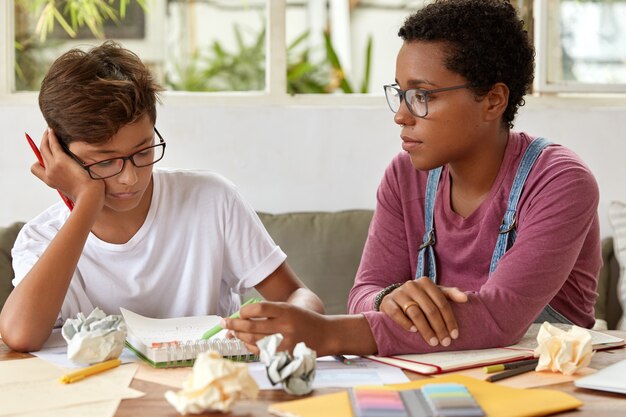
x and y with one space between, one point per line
80 13
243 69
71 15
303 75
344 83
217 69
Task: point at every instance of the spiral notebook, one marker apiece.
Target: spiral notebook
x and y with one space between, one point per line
166 343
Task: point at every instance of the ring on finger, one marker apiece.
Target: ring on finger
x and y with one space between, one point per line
408 305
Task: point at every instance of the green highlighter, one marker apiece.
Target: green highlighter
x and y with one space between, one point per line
215 330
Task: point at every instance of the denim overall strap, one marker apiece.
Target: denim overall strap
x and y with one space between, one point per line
507 228
429 235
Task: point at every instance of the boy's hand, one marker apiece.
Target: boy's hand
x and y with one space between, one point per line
296 324
422 306
63 173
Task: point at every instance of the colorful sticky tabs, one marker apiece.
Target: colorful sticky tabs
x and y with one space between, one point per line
373 402
451 400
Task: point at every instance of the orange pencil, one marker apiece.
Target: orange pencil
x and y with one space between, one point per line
90 370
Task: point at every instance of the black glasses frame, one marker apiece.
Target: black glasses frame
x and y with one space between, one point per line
93 175
423 94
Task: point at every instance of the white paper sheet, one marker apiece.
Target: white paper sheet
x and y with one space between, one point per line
332 373
33 387
612 378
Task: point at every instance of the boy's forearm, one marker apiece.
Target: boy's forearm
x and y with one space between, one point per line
347 334
33 306
305 298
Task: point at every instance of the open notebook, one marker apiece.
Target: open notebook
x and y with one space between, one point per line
441 362
165 343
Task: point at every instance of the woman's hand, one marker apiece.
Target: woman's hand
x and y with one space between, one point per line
63 173
296 324
422 306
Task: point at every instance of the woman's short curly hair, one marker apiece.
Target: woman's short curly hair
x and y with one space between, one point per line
89 96
488 44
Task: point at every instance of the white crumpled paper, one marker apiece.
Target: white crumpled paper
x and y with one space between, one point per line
296 372
214 385
563 351
95 338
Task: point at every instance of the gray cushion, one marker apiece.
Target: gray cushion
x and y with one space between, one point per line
7 238
323 248
607 306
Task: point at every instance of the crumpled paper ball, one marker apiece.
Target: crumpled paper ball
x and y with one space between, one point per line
296 372
95 338
563 351
214 385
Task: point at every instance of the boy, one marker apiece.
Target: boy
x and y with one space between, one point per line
461 75
163 243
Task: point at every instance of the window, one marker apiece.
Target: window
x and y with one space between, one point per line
356 42
35 50
581 45
287 48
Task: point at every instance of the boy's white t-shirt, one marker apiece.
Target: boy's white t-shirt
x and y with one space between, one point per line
200 246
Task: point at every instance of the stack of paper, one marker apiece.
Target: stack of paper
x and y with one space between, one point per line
23 380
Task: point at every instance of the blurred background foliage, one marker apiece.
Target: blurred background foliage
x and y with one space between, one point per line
215 68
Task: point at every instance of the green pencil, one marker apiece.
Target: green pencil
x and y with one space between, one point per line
215 330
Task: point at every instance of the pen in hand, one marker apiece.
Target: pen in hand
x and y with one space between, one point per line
69 203
216 329
343 359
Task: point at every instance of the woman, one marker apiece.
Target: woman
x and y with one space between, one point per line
443 267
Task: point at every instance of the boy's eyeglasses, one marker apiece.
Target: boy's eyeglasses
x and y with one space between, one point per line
112 167
416 99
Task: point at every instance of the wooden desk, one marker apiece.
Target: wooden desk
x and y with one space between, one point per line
153 404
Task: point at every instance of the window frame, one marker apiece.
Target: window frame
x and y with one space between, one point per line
275 92
541 20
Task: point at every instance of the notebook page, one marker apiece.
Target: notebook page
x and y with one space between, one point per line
167 342
150 330
432 363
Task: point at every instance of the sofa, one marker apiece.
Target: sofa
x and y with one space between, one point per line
324 249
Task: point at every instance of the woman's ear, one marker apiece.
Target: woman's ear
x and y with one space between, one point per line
496 100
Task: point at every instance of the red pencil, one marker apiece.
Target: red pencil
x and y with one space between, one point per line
69 203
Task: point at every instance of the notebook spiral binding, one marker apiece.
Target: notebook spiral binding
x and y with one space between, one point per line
229 348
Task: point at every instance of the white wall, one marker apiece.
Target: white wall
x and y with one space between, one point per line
299 158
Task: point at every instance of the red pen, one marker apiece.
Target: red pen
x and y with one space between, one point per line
69 203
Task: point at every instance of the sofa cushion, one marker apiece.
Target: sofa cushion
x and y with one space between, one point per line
7 238
608 308
323 248
617 217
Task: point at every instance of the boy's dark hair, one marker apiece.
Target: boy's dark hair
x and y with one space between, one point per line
89 96
488 44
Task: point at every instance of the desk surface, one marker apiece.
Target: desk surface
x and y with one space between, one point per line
153 404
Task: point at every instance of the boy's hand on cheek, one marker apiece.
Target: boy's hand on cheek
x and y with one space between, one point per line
421 306
61 172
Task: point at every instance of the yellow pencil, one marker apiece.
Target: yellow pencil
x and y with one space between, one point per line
90 370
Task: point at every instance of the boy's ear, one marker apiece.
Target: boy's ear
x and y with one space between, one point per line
496 100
